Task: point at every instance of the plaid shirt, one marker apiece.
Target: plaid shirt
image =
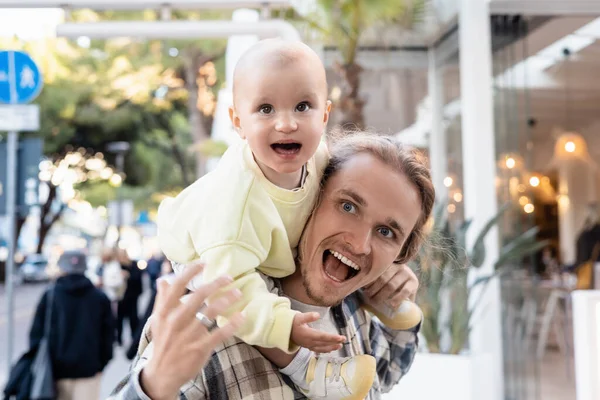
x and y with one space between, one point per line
238 371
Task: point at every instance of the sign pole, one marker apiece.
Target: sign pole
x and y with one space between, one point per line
20 82
11 190
11 194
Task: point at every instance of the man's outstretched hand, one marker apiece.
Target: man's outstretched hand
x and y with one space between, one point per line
396 284
305 336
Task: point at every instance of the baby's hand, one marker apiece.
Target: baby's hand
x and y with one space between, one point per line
312 339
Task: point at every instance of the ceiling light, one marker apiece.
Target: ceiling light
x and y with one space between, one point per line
570 147
534 181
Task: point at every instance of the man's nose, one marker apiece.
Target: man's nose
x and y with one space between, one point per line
359 241
286 123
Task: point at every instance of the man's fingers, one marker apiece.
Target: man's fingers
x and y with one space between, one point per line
306 318
374 287
197 298
162 289
382 281
225 301
408 293
219 335
385 293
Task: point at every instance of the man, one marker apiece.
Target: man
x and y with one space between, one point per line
81 330
377 196
127 307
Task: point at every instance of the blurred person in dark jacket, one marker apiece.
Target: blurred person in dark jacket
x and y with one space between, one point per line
154 268
164 268
128 305
81 330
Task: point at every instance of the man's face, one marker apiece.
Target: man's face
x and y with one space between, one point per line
282 112
366 214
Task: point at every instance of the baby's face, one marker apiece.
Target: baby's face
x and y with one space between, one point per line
281 112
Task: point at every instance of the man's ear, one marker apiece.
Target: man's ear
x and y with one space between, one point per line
235 121
327 111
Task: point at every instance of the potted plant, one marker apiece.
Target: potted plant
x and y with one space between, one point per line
443 265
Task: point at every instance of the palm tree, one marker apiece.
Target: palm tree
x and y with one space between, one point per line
343 24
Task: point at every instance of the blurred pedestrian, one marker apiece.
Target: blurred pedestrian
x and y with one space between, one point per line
113 279
154 268
81 330
164 268
128 305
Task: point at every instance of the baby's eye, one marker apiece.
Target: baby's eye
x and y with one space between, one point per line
265 109
386 232
303 107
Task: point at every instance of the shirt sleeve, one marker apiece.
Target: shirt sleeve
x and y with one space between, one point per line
394 352
129 388
176 244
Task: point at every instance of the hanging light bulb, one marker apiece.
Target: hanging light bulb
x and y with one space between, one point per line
534 181
570 147
510 163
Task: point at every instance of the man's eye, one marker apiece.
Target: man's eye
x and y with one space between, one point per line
265 109
303 107
348 207
386 232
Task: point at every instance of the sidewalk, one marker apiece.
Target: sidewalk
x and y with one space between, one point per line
115 371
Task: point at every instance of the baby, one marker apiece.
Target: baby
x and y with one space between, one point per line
245 218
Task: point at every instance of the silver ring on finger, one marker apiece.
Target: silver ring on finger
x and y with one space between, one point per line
208 323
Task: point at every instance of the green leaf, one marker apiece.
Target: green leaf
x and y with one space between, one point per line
477 255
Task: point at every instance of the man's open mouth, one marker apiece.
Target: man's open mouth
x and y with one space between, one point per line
338 267
287 148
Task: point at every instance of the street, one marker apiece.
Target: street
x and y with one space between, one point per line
26 299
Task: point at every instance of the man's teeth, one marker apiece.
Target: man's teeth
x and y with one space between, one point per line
345 260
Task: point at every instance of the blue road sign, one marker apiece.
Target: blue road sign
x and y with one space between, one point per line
20 78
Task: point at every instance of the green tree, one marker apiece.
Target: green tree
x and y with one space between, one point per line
117 90
343 23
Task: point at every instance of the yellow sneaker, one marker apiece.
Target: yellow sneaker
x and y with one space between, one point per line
407 316
339 378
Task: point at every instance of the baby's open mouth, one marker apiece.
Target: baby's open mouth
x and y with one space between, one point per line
337 267
286 148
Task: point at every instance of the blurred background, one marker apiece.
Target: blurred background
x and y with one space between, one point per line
501 95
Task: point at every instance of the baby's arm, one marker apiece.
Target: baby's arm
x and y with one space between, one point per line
269 317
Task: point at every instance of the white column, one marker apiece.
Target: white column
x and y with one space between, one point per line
438 150
238 44
236 47
479 190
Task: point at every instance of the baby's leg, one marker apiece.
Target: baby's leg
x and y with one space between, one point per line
322 376
277 356
294 365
